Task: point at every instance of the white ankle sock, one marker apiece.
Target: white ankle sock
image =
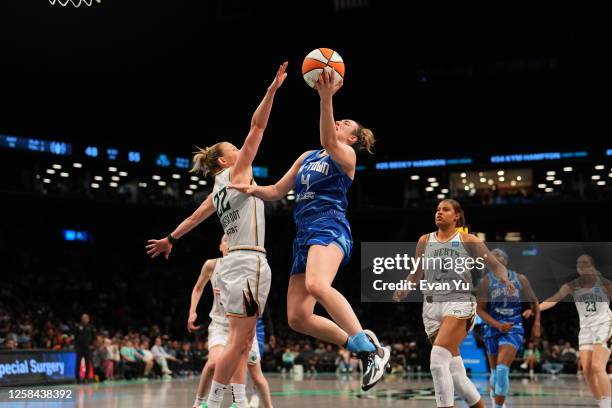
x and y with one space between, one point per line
239 394
215 397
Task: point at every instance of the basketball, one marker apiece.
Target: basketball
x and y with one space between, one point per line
322 59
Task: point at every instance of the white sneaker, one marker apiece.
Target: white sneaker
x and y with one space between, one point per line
374 340
373 366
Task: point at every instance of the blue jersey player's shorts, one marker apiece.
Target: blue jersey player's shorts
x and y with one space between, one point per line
323 229
496 339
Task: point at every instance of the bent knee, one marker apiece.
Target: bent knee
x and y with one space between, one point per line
317 288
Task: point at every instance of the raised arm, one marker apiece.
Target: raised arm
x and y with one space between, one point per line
164 246
556 298
196 293
241 172
276 191
341 153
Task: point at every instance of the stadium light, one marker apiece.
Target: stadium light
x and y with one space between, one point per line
161 183
483 180
95 185
57 166
194 178
115 178
549 190
112 169
188 192
598 167
193 186
502 178
64 174
176 176
541 185
434 184
557 182
551 173
98 178
77 165
415 177
123 173
518 178
113 184
156 177
500 173
595 177
431 179
50 171
143 185
601 183
430 189
46 180
463 175
202 182
550 178
441 196
444 191
568 169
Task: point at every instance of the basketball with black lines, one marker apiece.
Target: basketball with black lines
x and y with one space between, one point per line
322 59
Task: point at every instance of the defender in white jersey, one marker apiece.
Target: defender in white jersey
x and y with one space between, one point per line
448 306
591 295
245 275
218 332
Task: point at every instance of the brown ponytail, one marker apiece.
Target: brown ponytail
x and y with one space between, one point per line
207 160
365 139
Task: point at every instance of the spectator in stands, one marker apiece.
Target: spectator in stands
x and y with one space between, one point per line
569 357
146 356
161 357
133 368
10 344
288 360
552 361
531 357
343 362
185 357
84 338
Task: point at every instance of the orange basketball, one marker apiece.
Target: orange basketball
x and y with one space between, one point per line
322 59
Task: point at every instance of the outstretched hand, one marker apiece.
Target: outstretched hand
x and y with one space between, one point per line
243 188
159 246
325 84
279 78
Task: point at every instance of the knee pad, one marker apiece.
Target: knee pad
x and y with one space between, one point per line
502 380
439 365
462 383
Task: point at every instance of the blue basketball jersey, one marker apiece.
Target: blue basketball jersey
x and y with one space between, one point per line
503 307
320 186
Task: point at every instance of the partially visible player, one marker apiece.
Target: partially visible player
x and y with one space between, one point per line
449 311
218 333
591 294
504 332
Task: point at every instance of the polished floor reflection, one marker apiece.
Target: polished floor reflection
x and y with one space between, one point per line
311 392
